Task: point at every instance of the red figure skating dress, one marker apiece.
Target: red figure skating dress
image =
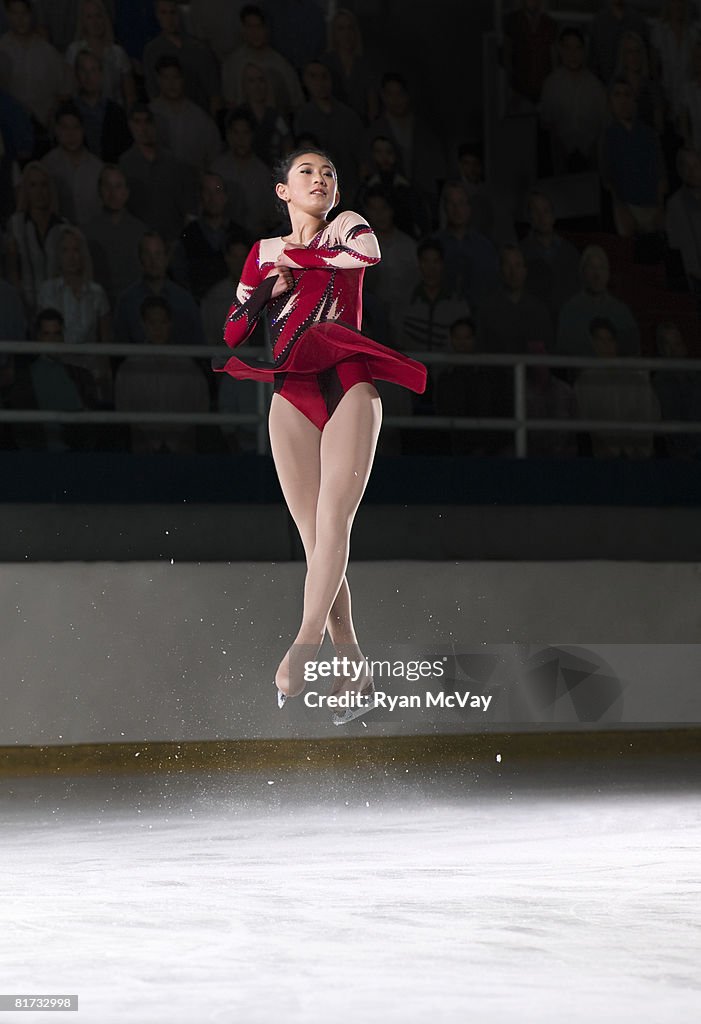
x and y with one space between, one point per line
318 350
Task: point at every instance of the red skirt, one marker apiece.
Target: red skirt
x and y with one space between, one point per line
323 346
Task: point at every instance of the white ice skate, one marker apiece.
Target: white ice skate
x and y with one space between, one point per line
281 697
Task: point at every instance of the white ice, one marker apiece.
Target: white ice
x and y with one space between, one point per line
483 893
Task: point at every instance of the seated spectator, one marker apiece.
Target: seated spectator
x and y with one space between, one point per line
492 213
182 126
471 260
162 189
37 75
53 382
412 210
615 394
297 29
607 29
678 392
672 38
57 21
30 233
160 384
398 271
573 107
95 34
256 49
422 156
690 102
246 176
340 129
354 80
82 303
595 302
432 308
683 217
510 318
633 66
632 167
529 38
552 261
105 124
548 397
153 258
74 170
135 25
217 302
272 135
199 66
467 391
114 235
216 23
198 260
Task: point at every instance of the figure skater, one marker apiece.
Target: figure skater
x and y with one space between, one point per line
325 413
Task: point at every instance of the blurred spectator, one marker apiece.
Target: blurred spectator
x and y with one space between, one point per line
199 66
13 327
37 75
246 175
52 382
683 217
466 391
217 23
491 210
272 135
354 80
471 260
690 101
153 258
73 168
432 306
412 210
217 302
297 29
572 107
198 261
548 397
398 271
615 394
58 19
338 126
160 384
672 38
135 25
422 156
82 302
162 189
552 261
30 233
632 166
183 127
606 30
94 33
678 392
256 49
529 39
114 235
633 66
16 129
510 318
105 124
595 302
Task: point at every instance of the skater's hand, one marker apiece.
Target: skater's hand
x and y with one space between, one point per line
284 282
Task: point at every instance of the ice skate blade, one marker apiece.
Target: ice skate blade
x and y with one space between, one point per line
352 713
281 697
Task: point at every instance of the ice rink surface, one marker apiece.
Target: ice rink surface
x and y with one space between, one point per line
488 893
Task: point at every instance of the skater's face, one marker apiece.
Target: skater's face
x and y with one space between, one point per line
311 185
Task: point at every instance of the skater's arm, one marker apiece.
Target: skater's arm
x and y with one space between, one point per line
253 293
355 246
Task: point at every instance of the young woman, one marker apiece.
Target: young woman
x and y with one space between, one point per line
325 413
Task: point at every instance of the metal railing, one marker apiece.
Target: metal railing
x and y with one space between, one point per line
520 424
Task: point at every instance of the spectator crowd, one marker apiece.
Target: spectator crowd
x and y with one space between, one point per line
137 140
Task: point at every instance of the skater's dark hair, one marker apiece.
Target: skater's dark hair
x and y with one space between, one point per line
281 170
